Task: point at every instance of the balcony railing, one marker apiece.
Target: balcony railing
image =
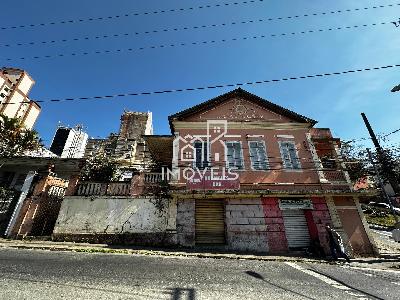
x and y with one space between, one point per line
103 189
335 176
152 178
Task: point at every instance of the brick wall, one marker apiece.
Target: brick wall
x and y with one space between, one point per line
245 225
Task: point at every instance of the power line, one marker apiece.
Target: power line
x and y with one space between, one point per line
394 131
163 30
215 86
132 14
196 43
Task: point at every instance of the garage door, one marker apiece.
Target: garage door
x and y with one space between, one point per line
296 229
210 222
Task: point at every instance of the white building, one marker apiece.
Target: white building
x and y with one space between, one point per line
15 85
69 142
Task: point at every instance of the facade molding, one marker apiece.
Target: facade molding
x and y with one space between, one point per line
243 125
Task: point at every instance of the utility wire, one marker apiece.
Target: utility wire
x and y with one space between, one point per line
195 43
179 28
214 86
132 14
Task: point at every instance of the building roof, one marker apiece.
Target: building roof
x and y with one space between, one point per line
27 163
160 148
239 92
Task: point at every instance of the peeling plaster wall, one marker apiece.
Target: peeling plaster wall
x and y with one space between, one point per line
115 215
245 225
185 220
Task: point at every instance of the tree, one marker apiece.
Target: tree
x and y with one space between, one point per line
359 166
15 139
99 168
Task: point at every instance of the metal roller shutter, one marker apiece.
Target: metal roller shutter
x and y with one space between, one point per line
296 228
210 222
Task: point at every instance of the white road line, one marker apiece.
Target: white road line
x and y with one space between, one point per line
329 281
372 269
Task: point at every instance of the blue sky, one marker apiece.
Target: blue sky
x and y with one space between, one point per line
336 102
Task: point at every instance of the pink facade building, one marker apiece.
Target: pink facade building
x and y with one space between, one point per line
250 175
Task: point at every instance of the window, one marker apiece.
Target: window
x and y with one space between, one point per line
201 152
258 155
6 89
234 155
289 155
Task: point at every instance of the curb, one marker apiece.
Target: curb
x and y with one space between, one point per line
162 253
157 253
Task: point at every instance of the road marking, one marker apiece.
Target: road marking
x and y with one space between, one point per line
329 281
371 269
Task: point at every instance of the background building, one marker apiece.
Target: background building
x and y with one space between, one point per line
69 142
15 85
128 146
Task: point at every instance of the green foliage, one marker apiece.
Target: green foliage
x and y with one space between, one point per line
99 168
15 139
358 164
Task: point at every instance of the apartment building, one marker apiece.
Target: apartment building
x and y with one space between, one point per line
69 142
15 85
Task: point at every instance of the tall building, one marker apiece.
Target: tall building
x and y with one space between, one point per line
69 142
15 85
127 147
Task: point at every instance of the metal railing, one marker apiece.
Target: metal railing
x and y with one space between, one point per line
335 176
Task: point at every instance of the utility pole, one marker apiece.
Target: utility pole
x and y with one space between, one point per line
383 159
396 89
382 187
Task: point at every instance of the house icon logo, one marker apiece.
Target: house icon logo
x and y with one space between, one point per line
216 130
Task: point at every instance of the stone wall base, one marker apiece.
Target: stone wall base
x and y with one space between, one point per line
163 239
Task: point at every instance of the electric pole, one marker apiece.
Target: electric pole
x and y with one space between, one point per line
382 187
396 89
383 158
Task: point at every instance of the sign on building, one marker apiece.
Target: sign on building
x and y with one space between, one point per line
285 204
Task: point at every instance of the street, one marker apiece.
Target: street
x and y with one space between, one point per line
37 274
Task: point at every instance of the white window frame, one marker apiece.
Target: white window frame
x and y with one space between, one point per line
266 156
284 163
241 156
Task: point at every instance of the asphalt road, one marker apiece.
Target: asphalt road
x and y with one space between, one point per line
36 274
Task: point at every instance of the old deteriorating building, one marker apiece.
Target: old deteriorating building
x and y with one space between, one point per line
15 85
69 142
264 179
245 174
128 146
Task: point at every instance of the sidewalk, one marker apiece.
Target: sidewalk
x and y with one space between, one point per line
385 262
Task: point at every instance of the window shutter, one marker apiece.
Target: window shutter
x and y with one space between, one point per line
289 155
262 156
234 155
285 155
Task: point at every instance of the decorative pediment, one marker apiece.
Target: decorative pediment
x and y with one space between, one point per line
239 105
239 109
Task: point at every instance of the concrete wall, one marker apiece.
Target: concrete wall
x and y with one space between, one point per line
141 220
245 225
186 222
275 227
352 220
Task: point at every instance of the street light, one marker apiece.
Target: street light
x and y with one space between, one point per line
396 89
